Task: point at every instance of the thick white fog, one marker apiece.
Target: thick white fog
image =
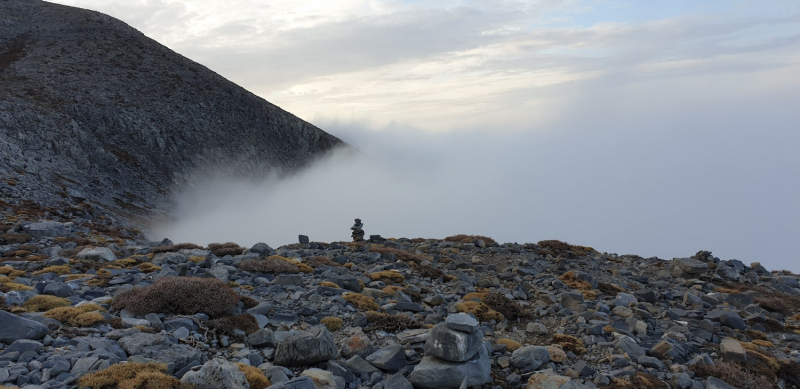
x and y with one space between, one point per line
647 172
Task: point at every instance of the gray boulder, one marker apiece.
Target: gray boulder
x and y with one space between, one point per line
684 267
451 345
262 338
216 374
529 358
732 320
46 229
434 373
306 348
102 254
390 358
13 328
572 301
262 249
158 347
169 258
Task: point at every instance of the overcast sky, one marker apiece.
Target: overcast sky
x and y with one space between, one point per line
644 127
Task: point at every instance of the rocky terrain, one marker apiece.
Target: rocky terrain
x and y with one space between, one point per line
92 110
85 304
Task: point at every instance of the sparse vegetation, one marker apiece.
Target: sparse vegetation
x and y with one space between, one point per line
42 303
511 345
83 316
60 270
10 272
569 343
198 295
637 381
431 272
734 373
274 265
131 376
388 276
255 377
507 307
390 323
223 249
333 324
558 248
480 310
471 238
329 284
400 254
228 325
361 301
178 247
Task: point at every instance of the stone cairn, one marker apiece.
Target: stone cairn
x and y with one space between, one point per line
456 356
358 233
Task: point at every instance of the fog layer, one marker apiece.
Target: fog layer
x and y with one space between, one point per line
661 172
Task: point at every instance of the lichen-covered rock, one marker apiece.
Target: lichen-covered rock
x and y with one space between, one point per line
434 373
452 345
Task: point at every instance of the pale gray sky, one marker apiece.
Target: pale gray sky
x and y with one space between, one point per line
654 128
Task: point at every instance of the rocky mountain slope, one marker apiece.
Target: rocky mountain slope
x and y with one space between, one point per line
91 109
83 308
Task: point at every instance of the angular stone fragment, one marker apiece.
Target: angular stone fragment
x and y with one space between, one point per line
452 345
462 322
390 358
732 350
101 254
216 374
572 301
529 358
322 379
159 348
549 380
314 346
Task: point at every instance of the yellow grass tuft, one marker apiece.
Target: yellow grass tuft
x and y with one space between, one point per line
511 345
42 303
329 284
361 301
390 290
148 267
9 286
474 295
60 270
479 310
10 272
332 323
131 376
88 319
197 259
388 275
255 377
569 343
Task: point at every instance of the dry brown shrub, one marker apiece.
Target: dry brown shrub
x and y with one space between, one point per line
739 375
10 272
197 295
507 307
9 286
361 301
148 267
462 238
228 325
318 261
175 248
572 281
391 323
254 376
557 248
268 265
401 254
775 304
611 289
223 249
15 238
569 343
88 319
60 270
480 310
388 276
637 381
431 272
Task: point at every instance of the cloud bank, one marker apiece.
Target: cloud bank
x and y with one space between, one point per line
652 128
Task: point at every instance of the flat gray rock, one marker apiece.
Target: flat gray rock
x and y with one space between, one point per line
13 328
101 254
157 347
462 322
390 358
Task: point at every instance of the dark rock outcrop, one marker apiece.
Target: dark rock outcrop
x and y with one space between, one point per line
92 109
